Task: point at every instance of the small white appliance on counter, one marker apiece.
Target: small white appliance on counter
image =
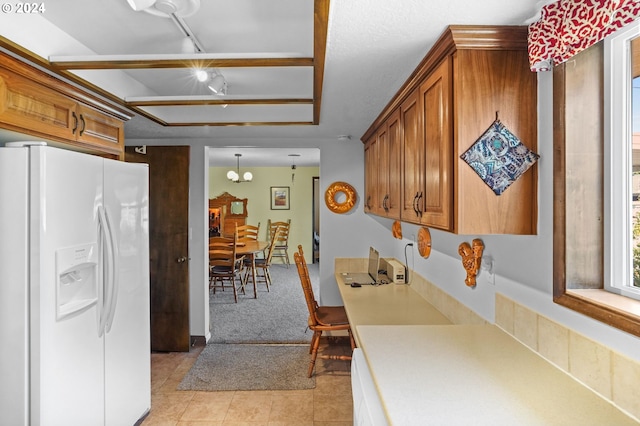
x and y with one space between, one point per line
74 288
395 271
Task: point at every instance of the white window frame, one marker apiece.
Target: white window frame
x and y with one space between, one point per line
618 260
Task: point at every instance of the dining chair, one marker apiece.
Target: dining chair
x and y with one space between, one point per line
321 318
225 266
263 265
248 232
282 244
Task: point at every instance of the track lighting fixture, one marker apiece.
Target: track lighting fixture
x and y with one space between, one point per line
166 8
201 75
218 84
213 79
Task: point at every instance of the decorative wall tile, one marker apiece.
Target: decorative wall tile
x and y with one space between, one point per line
625 378
553 342
504 313
525 326
590 363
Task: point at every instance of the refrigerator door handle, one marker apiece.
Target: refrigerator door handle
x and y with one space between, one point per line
107 275
115 277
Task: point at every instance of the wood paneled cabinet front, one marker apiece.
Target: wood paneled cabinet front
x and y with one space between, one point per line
383 165
471 75
424 135
412 158
436 205
34 103
371 174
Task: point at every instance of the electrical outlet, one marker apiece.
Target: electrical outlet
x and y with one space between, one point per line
491 277
413 238
486 269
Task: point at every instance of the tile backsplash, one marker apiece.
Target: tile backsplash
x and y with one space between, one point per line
613 376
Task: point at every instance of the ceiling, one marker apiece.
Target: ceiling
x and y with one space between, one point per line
284 90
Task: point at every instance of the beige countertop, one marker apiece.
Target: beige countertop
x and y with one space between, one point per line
386 304
473 374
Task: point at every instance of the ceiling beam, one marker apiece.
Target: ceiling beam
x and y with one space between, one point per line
101 62
244 124
320 28
199 100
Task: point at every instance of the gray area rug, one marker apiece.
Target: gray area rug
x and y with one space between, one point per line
278 316
226 367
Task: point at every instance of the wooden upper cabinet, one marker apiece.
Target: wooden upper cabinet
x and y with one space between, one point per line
37 104
471 75
490 83
435 98
393 166
25 104
412 158
382 168
371 174
98 129
381 171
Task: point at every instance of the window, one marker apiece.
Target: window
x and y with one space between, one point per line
622 163
592 214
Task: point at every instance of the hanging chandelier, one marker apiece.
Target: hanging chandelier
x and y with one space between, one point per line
234 175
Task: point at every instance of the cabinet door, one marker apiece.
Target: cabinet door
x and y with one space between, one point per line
98 129
382 170
435 94
394 165
30 108
370 170
412 157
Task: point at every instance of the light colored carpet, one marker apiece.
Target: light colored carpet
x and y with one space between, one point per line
278 316
225 367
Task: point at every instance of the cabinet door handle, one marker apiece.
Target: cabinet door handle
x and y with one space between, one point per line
415 202
75 122
384 203
84 125
181 259
367 204
420 210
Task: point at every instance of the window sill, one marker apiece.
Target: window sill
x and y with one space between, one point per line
615 310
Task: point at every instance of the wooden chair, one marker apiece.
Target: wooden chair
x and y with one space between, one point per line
282 244
225 266
248 232
263 264
321 318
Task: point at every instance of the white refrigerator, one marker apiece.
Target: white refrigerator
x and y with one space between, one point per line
74 289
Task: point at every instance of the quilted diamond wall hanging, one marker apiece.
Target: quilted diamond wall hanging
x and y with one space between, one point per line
499 158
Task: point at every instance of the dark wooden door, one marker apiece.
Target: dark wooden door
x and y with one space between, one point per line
168 243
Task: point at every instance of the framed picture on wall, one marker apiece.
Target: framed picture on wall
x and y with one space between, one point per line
279 198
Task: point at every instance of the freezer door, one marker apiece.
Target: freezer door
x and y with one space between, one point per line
14 291
127 334
67 356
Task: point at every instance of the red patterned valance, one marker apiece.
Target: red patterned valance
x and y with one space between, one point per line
567 27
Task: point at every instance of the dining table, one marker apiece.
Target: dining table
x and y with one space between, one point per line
250 248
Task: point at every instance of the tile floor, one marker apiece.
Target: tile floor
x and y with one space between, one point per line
329 404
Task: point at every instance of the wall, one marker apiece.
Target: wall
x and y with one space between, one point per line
198 241
258 194
523 264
